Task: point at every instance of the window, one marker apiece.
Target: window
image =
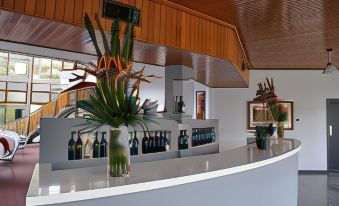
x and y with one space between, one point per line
56 69
41 87
42 68
18 97
17 86
2 115
10 114
40 97
2 96
68 65
19 65
3 63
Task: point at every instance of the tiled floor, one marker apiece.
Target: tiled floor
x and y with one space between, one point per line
318 189
16 175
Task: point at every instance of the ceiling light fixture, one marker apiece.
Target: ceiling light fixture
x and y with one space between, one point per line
330 68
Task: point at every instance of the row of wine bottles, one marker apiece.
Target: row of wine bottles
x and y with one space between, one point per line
96 149
201 136
153 141
183 140
178 105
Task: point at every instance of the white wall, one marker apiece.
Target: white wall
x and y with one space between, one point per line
156 89
309 91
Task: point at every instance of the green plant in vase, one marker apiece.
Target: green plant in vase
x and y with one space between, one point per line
115 101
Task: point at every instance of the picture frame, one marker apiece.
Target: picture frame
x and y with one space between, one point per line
200 102
256 113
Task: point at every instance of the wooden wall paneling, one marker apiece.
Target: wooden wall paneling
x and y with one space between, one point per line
132 2
138 4
144 19
191 32
50 9
19 5
219 40
204 36
69 11
40 8
30 7
8 4
173 27
168 25
183 29
59 10
208 37
200 46
163 12
78 11
87 8
178 29
157 16
223 45
151 21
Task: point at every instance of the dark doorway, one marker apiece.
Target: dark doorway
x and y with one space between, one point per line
332 134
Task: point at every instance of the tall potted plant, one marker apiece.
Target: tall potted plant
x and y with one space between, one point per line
115 101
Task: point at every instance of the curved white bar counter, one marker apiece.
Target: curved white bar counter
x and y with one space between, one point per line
242 176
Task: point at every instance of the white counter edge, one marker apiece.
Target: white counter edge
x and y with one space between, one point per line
139 187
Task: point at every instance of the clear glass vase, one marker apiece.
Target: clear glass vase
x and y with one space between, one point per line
118 154
280 130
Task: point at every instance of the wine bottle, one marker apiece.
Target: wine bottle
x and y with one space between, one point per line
157 142
194 137
181 105
78 147
151 142
88 148
185 146
145 143
130 143
96 146
180 140
166 142
71 147
135 144
213 135
162 142
103 145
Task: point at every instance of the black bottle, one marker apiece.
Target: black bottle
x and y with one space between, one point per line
78 148
71 147
181 140
151 143
185 145
213 135
145 143
130 141
181 105
135 144
96 146
162 142
103 145
157 142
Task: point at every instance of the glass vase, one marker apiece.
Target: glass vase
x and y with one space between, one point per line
280 130
263 136
118 154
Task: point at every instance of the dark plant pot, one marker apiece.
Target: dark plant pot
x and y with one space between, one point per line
263 142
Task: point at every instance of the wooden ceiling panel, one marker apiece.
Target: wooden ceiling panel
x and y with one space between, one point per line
21 28
279 34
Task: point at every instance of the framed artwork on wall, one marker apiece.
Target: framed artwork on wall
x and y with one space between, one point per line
200 102
257 113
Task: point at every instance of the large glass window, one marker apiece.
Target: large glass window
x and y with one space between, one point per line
10 114
19 97
2 96
3 63
56 69
40 97
2 115
42 68
19 65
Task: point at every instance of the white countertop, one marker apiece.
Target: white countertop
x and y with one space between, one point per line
50 187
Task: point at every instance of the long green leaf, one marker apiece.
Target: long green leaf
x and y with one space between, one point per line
91 32
103 35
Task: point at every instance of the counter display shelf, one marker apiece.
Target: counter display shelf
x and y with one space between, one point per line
57 145
242 176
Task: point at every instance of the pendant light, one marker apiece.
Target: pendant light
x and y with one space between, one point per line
330 68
